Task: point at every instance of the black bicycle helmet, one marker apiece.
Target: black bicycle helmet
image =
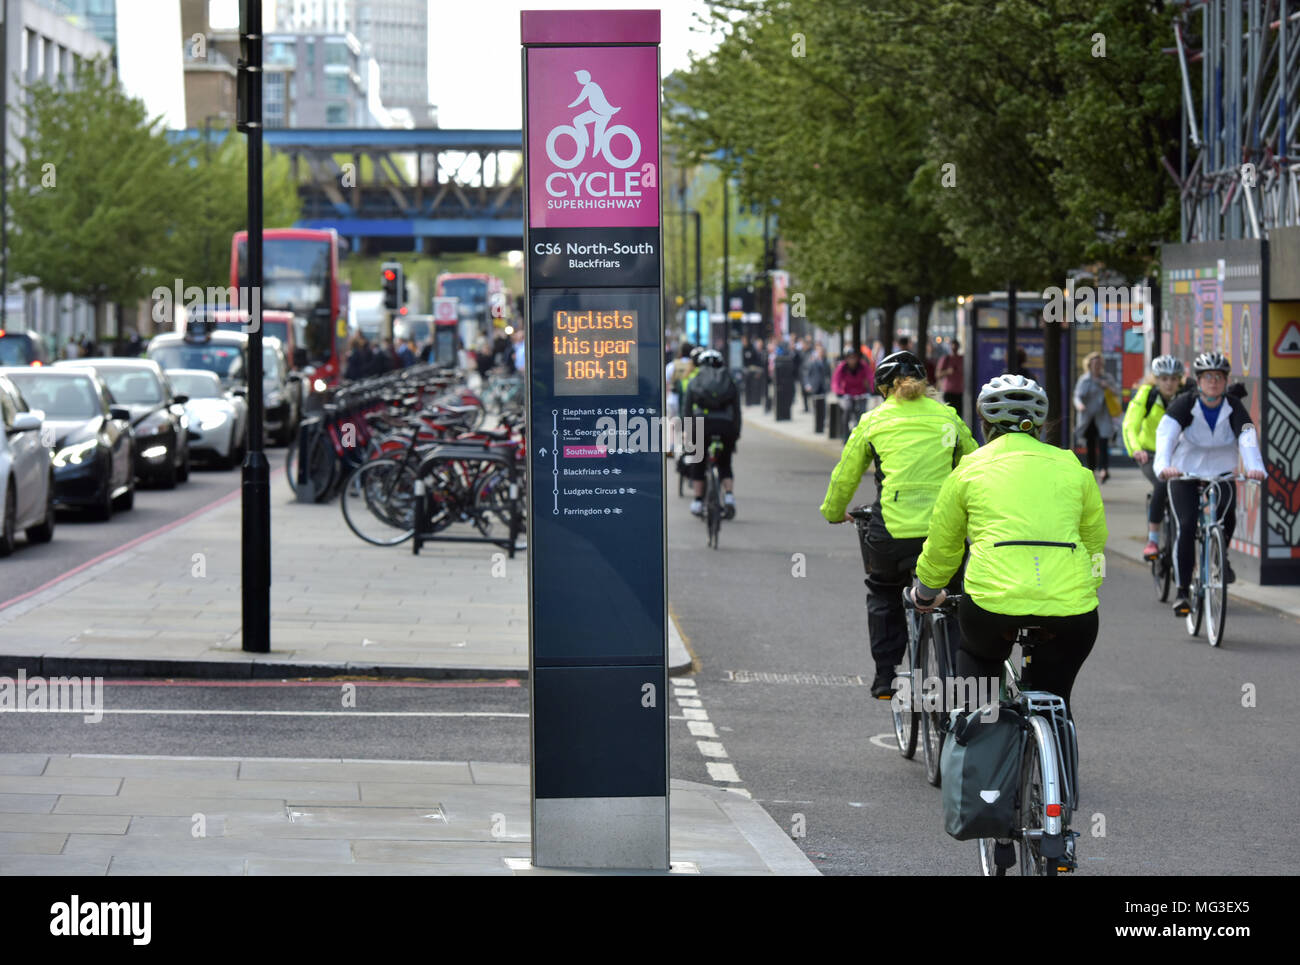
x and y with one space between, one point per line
899 365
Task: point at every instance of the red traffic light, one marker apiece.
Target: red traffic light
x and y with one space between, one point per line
403 310
390 275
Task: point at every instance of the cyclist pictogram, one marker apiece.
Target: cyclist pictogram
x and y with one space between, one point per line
598 114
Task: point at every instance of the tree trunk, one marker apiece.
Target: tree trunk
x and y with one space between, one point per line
887 322
1052 383
923 326
857 328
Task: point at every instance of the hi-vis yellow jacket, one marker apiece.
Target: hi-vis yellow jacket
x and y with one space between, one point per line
1036 527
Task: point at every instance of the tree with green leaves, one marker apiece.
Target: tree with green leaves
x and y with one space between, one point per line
97 194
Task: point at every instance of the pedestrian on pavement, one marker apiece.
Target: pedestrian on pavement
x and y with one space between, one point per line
405 353
518 350
357 365
1095 426
952 376
72 350
816 374
898 436
852 383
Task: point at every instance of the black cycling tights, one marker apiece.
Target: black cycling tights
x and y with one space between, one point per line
1055 663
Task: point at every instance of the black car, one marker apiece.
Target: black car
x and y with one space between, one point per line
158 418
22 348
94 449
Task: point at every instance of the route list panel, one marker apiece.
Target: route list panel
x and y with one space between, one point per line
594 351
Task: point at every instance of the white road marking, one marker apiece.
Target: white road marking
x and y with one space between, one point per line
270 713
722 772
700 728
711 748
694 713
741 791
689 702
888 741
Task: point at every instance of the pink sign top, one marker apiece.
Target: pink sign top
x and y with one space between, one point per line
588 27
593 137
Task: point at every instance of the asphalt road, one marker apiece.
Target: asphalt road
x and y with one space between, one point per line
1177 773
79 539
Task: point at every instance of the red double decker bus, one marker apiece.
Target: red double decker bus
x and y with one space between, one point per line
300 274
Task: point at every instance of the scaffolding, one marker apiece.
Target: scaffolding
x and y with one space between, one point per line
1239 162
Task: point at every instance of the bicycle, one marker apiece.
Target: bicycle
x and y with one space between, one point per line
907 723
1049 777
1162 565
1207 591
856 409
714 511
931 641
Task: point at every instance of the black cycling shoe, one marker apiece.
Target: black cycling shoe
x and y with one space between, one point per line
1182 605
1228 575
882 688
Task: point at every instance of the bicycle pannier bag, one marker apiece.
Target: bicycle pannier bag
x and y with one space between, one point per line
980 762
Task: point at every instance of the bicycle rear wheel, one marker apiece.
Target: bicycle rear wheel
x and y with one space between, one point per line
713 508
1216 591
907 722
1196 594
1032 803
1163 566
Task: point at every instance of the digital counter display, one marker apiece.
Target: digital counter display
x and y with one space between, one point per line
595 351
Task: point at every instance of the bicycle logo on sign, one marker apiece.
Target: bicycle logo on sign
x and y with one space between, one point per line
598 115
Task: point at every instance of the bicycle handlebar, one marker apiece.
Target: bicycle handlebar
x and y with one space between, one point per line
1228 477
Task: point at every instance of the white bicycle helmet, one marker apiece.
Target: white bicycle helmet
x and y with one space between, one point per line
1211 362
1166 365
711 357
1013 402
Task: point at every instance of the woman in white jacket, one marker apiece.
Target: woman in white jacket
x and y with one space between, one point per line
1202 434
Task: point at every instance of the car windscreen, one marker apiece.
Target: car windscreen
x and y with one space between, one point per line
222 359
16 350
58 396
196 386
132 386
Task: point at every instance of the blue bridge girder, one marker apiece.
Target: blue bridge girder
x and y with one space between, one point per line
441 189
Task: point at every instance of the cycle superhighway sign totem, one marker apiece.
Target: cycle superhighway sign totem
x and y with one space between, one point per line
595 362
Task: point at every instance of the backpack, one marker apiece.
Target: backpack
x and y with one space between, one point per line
980 763
713 389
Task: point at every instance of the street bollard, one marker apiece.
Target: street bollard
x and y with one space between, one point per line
819 413
785 388
834 419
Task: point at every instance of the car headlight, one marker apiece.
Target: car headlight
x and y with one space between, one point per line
214 420
75 455
319 385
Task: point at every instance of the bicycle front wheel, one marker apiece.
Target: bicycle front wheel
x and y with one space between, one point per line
1216 590
1196 595
929 659
378 502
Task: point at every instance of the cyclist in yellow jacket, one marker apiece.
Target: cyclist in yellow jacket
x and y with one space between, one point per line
1037 530
915 441
1145 410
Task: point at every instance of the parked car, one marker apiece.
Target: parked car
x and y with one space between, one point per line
94 448
22 348
158 418
218 417
26 472
226 354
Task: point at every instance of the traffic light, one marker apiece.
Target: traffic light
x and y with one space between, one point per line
394 285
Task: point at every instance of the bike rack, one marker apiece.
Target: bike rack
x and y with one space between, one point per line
474 454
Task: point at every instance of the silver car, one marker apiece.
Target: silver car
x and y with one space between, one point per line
218 417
